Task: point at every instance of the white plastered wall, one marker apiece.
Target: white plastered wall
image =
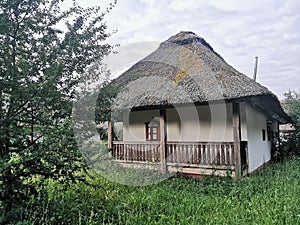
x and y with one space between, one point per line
134 124
207 123
259 151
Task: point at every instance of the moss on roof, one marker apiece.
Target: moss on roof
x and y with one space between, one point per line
184 69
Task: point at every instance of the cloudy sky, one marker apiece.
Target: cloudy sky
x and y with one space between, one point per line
237 30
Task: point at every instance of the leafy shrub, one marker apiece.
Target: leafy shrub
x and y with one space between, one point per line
290 141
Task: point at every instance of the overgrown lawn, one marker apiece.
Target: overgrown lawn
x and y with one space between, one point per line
271 196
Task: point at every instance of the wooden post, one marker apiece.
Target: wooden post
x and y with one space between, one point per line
110 134
236 138
163 138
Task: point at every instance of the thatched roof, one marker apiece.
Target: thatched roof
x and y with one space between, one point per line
184 69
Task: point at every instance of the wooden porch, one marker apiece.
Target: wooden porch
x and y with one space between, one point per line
186 157
199 158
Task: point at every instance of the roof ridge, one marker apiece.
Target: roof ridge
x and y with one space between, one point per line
186 38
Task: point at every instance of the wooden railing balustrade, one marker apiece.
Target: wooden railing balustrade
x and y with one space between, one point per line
184 153
201 153
136 151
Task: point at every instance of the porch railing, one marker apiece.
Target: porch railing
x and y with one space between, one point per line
136 151
201 153
190 153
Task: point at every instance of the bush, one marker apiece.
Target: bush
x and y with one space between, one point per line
290 141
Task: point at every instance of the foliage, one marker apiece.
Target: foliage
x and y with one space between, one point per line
41 65
292 101
268 197
290 140
104 100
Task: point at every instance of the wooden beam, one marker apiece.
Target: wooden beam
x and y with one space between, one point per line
237 137
110 134
163 140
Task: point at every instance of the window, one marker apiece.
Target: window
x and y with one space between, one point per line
263 134
152 129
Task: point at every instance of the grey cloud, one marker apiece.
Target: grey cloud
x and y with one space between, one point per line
269 29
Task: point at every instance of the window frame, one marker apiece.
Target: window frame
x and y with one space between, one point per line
152 130
263 134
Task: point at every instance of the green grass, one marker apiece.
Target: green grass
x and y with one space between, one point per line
271 196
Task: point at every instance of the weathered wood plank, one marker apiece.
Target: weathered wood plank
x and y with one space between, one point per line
197 153
236 137
110 134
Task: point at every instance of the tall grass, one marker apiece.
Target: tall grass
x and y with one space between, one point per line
271 196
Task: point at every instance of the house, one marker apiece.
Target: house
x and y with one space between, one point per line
184 108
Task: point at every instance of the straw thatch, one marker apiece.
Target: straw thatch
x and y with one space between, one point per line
184 69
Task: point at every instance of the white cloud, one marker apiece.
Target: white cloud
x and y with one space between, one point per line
237 30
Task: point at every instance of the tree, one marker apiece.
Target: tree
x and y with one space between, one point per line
290 141
292 101
40 66
105 98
